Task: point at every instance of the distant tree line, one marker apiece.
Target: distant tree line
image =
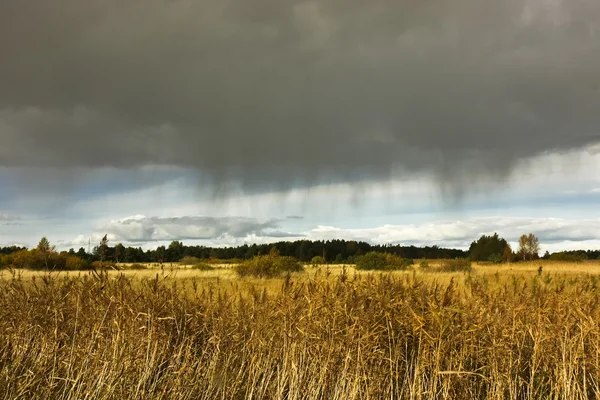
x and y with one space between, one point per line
332 251
42 257
486 249
574 255
11 249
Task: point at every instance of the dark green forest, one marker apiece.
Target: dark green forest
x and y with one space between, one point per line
332 251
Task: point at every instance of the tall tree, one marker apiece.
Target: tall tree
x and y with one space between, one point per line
174 251
119 252
534 246
507 255
45 249
529 247
488 248
44 245
103 248
81 253
160 254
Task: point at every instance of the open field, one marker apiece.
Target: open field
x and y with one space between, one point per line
499 332
225 273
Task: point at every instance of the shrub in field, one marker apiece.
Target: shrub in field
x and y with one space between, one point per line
74 263
190 261
372 261
424 264
268 266
456 265
203 267
37 260
352 259
382 262
317 260
6 261
399 263
25 259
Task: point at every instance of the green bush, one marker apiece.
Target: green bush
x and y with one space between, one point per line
268 266
203 267
495 258
424 264
382 262
6 261
36 260
456 265
317 260
74 263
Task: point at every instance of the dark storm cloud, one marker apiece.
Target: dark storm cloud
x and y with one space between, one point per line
281 93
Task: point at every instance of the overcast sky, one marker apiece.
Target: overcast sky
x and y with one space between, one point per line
416 122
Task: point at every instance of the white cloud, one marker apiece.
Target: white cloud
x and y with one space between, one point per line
571 245
555 234
142 229
551 231
84 241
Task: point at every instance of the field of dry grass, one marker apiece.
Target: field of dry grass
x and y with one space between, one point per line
499 332
226 271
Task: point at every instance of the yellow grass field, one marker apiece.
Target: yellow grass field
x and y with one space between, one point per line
499 332
224 274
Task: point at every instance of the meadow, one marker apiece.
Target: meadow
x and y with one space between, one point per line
513 331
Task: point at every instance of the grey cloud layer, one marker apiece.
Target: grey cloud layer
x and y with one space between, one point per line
553 232
286 92
149 229
8 219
